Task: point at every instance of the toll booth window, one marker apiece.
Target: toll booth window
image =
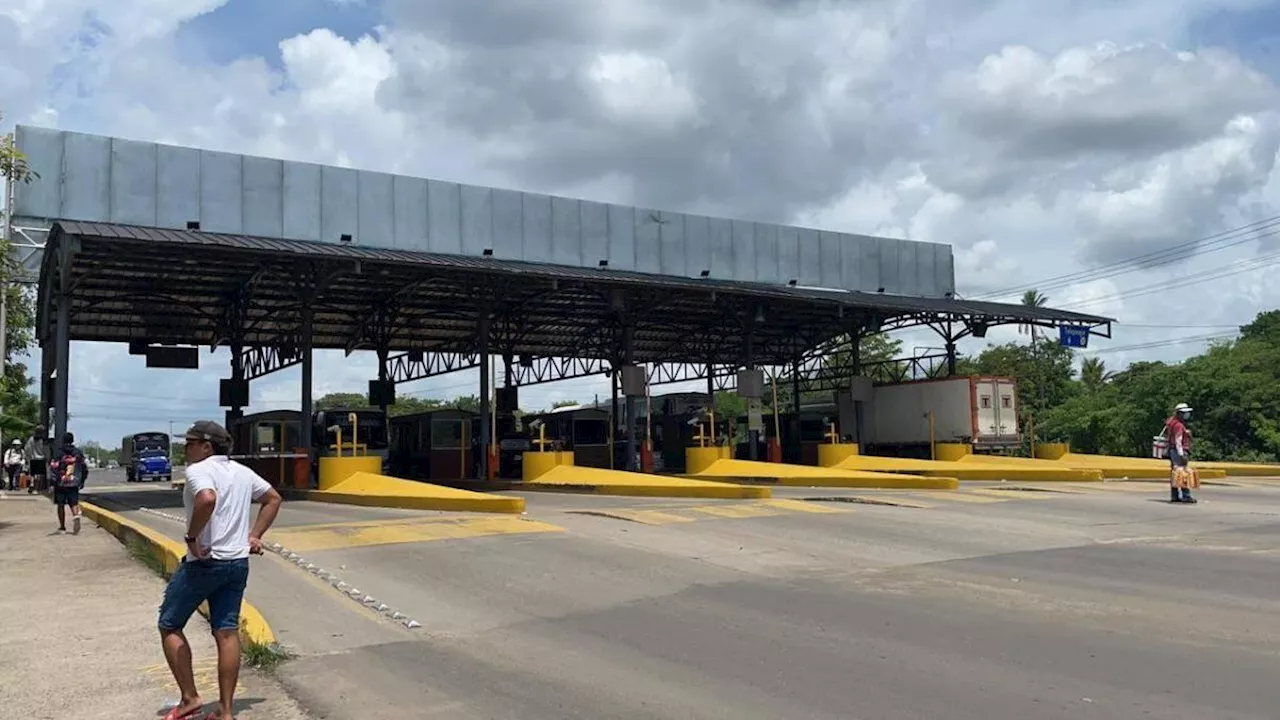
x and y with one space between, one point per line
1006 402
986 402
446 434
591 432
267 438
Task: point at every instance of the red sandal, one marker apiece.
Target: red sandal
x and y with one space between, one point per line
188 715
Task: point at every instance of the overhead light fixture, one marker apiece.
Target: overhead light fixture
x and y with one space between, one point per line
193 224
487 252
603 264
705 273
345 238
759 314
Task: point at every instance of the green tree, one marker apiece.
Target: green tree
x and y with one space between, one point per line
563 403
1093 374
19 407
1233 386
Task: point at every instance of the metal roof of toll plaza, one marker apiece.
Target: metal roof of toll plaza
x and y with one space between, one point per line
131 283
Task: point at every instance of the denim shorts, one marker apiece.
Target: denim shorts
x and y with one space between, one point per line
220 582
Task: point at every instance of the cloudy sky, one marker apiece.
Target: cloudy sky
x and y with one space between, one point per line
1039 139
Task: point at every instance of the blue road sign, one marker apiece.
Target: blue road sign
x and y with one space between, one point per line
1073 336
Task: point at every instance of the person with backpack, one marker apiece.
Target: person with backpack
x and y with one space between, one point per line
68 471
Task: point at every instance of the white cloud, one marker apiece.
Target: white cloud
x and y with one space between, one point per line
1038 139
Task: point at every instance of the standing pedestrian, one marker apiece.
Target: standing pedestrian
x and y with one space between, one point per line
36 454
218 494
1181 476
69 472
13 463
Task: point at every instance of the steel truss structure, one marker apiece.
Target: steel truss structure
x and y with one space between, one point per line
274 301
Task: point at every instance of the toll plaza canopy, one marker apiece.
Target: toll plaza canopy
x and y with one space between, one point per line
161 246
123 283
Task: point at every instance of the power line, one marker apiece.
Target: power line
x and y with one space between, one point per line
1144 326
1222 271
1162 343
1229 238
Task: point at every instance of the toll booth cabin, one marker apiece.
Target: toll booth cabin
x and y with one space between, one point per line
368 436
584 430
672 428
436 445
269 443
802 433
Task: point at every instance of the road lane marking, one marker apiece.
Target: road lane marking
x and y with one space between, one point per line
960 496
310 538
677 514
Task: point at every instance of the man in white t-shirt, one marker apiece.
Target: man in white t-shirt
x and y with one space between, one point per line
217 499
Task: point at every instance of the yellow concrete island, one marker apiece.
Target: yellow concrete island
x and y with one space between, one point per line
376 490
254 629
967 467
551 471
1114 467
700 463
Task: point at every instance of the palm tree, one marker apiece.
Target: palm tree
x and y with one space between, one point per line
1035 299
1094 374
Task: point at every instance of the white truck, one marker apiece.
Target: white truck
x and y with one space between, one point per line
981 411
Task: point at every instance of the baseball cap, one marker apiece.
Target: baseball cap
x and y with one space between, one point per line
209 430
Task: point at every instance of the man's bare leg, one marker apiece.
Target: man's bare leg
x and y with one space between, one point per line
62 517
177 652
228 669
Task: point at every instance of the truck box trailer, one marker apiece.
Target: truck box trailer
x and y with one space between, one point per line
981 411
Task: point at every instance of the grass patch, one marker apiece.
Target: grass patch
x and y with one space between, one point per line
264 656
140 550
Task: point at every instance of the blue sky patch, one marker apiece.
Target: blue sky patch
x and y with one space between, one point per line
243 28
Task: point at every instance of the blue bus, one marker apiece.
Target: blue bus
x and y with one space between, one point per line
145 456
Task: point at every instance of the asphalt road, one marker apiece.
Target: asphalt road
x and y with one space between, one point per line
1094 602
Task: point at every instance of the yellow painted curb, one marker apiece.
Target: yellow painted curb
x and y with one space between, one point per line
714 491
485 504
374 490
598 481
253 627
787 475
886 481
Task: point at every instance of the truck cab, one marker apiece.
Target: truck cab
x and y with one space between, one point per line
145 456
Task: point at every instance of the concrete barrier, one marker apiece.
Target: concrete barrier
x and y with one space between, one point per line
168 552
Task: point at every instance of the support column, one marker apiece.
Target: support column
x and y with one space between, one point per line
383 352
235 412
795 447
482 347
62 348
753 435
628 357
951 357
855 358
48 369
304 346
615 419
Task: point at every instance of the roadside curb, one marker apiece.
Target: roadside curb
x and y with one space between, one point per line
253 626
484 504
705 489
